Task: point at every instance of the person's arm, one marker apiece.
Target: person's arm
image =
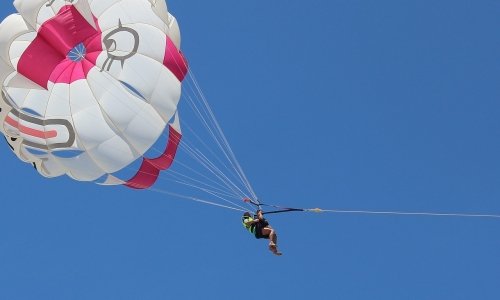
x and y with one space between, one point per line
250 223
260 215
254 221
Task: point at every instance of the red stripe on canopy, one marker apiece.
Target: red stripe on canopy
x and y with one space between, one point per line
150 168
175 61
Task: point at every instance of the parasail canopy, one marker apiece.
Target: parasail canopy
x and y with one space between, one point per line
88 86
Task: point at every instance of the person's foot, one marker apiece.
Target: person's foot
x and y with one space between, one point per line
274 249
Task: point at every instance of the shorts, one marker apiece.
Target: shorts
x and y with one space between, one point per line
258 229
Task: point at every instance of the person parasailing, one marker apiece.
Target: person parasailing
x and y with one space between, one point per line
260 228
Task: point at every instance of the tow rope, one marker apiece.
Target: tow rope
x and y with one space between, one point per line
281 209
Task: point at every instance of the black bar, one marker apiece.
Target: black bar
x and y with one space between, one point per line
282 211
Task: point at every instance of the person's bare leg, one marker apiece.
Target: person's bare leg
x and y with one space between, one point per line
274 243
268 231
273 239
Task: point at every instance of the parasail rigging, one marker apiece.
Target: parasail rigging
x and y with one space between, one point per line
100 91
97 90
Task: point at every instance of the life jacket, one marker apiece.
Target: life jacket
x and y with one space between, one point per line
246 221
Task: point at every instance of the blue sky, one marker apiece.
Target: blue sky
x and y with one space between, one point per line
372 105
